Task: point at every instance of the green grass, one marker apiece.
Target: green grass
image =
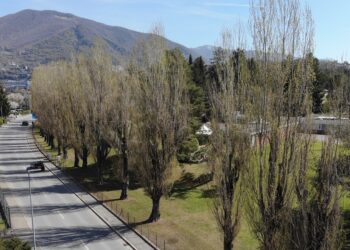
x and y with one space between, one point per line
2 120
2 225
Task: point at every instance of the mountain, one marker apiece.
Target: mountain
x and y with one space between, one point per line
31 37
205 51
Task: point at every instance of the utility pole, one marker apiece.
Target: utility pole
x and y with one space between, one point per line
32 210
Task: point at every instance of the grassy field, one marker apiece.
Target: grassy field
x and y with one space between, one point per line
2 225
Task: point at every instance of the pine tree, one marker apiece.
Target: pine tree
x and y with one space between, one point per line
190 60
4 103
317 88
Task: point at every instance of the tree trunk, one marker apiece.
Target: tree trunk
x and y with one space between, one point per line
99 165
102 153
59 148
65 153
125 184
76 158
155 214
228 239
51 141
85 157
99 174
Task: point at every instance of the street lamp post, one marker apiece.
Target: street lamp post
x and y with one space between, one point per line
31 206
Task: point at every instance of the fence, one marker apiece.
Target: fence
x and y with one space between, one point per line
5 209
135 223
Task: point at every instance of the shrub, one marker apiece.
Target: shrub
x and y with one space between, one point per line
14 244
188 146
202 139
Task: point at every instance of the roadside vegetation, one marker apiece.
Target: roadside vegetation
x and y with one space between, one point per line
9 243
132 132
14 244
4 106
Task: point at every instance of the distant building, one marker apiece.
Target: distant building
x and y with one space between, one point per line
205 129
322 124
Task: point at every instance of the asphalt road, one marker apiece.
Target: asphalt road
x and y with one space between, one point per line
61 219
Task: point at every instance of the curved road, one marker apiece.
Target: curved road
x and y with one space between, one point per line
61 219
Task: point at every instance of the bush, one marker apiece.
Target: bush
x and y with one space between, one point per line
14 244
202 139
343 166
2 121
188 146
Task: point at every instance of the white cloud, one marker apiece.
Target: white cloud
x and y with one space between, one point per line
222 4
209 13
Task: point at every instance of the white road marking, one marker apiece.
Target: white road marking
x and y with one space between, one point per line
61 215
85 246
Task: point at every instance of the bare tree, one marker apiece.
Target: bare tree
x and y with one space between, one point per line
162 110
46 101
79 139
120 124
325 214
230 139
98 68
280 96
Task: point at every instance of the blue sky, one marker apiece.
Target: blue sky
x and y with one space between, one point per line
197 22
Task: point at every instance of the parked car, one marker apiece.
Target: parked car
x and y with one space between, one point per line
37 165
25 123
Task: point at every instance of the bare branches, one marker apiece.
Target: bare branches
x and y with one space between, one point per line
161 101
281 97
230 139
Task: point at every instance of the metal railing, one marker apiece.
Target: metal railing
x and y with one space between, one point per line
140 227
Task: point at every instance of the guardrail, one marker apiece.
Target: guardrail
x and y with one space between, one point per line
5 209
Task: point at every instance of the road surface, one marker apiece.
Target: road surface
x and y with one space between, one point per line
62 220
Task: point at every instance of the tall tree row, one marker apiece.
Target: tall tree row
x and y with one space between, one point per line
92 106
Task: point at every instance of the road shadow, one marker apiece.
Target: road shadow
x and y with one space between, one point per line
41 210
69 238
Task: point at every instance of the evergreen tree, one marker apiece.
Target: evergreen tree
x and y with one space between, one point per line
197 93
317 88
200 91
4 103
198 72
190 60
